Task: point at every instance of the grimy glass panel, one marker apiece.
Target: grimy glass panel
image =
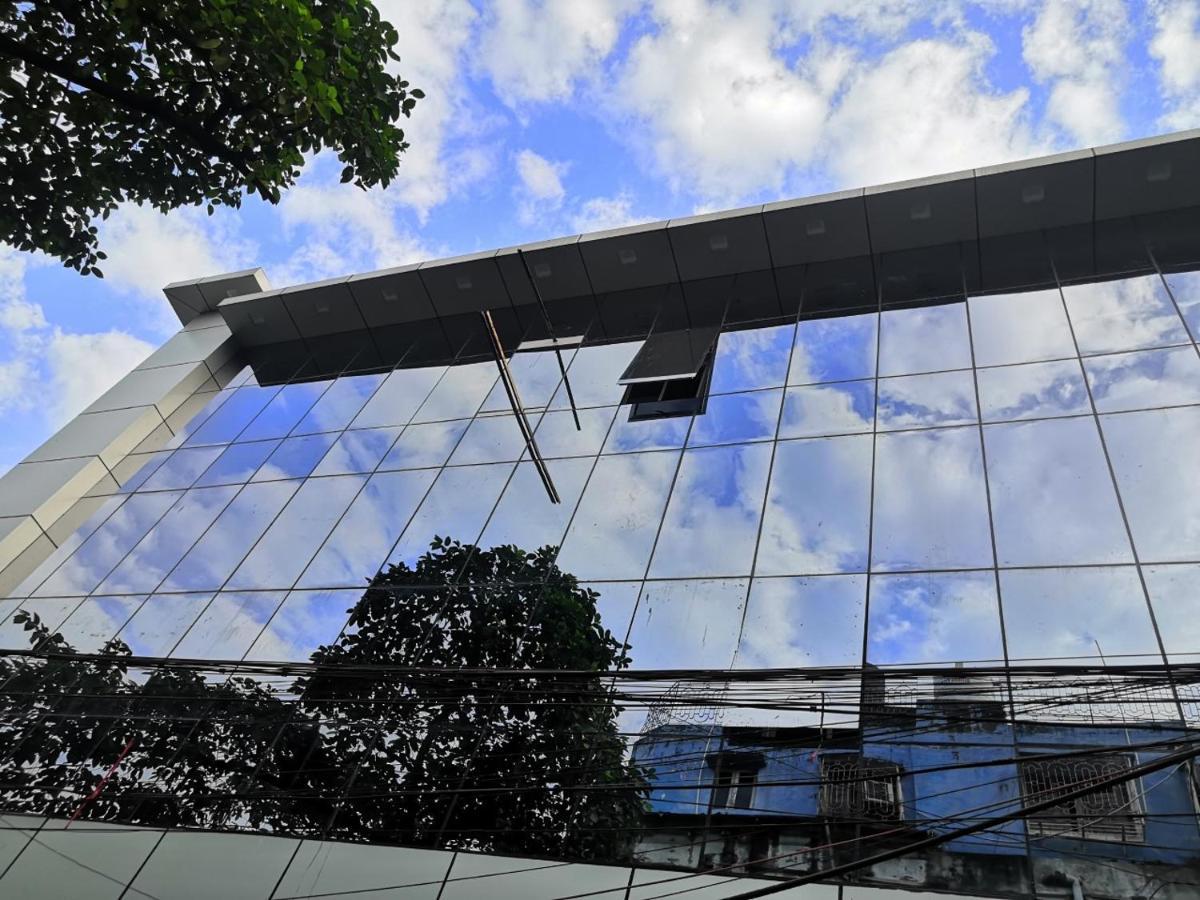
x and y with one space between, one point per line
925 339
1034 391
1125 314
934 618
557 435
818 508
1173 592
181 469
490 439
752 359
305 621
803 622
835 349
1019 328
919 401
1052 496
689 624
1185 288
161 622
846 407
228 625
97 620
94 862
525 517
737 418
1148 378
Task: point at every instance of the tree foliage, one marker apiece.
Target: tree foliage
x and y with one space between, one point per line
178 102
435 719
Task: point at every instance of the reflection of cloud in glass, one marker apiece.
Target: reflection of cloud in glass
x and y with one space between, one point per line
1175 595
1064 613
284 411
593 374
536 375
647 434
1185 286
51 610
613 531
712 519
687 624
97 620
421 446
836 349
847 407
305 621
459 393
340 404
1039 390
228 626
1126 314
357 451
1015 328
944 398
557 436
525 517
69 546
238 463
1052 496
295 457
490 439
818 508
181 469
937 618
400 395
1145 379
161 621
803 622
737 417
755 358
1154 455
231 415
930 505
924 339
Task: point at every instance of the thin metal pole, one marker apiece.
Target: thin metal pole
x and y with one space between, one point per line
550 333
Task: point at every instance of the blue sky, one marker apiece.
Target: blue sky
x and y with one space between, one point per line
544 119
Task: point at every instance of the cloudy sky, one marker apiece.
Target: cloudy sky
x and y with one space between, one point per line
554 118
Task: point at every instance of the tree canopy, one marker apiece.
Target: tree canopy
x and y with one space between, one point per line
435 719
180 102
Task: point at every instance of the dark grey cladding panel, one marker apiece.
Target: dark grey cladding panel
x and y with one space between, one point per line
556 266
464 284
816 229
185 299
839 286
722 243
392 296
323 307
1174 236
1014 261
922 213
258 319
926 273
1150 175
732 298
628 258
217 288
1035 194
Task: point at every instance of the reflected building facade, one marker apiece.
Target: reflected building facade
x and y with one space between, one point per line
719 552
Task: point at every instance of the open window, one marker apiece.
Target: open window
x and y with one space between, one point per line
734 778
670 374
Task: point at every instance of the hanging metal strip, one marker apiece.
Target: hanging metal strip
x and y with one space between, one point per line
514 400
550 333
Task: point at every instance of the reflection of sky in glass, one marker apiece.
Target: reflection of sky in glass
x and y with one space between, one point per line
1126 314
70 545
1144 379
646 434
232 416
926 339
357 451
934 618
687 624
1052 495
1018 328
490 439
97 620
818 508
1173 592
736 418
305 621
847 407
285 411
161 621
525 517
1038 390
398 397
536 375
420 446
237 463
1185 287
183 468
340 404
228 626
756 358
459 394
917 401
295 457
593 374
803 622
51 610
837 349
556 434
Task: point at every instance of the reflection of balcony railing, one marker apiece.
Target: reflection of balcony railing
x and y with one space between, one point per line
1112 813
855 787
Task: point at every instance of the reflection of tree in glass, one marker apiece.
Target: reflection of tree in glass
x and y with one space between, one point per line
418 725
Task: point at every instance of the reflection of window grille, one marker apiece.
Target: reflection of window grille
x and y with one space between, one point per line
1111 813
855 787
734 789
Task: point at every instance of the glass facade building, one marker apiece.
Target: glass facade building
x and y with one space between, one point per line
321 602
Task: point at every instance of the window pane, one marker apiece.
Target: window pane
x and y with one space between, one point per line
837 349
161 621
525 517
803 622
687 624
755 358
459 394
711 523
422 446
1185 286
305 621
66 548
847 407
1040 390
181 469
1077 614
557 435
1016 328
818 508
1052 495
398 398
233 415
297 533
228 625
613 531
238 463
647 434
51 610
735 418
1154 455
97 620
930 506
285 410
945 398
340 404
295 457
536 375
1175 595
357 451
593 375
1126 314
924 339
1143 380
935 618
491 439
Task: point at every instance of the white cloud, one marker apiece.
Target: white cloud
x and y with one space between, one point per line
1176 46
601 213
84 366
540 176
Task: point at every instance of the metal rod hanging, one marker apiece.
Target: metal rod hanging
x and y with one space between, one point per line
550 333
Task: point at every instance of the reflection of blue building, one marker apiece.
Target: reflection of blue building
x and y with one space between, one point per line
787 801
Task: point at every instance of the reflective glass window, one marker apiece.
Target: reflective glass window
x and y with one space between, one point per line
930 505
557 435
803 622
835 349
1145 379
218 552
97 620
228 625
237 463
818 508
305 621
398 398
1154 454
181 469
934 618
647 434
421 446
211 403
846 407
924 339
459 394
536 375
150 464
338 406
1175 596
1077 614
357 451
297 533
525 517
613 531
1185 288
1035 391
490 439
691 624
295 457
751 359
1019 328
711 522
736 418
363 538
227 422
1052 496
285 411
1125 314
593 375
106 508
51 610
917 401
157 553
161 621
